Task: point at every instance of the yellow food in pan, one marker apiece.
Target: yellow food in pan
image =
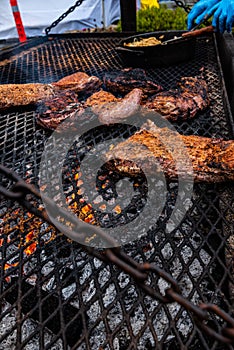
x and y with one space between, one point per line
144 42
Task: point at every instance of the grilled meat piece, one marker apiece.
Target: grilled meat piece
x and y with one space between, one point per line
52 112
79 82
114 112
100 97
125 80
188 99
13 95
155 148
107 107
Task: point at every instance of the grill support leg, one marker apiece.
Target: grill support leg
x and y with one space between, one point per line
128 15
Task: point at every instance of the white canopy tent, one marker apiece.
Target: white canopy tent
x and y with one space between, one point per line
37 15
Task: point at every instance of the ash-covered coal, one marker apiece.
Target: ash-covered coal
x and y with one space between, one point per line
8 332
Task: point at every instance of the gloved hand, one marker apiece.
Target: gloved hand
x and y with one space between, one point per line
201 9
224 16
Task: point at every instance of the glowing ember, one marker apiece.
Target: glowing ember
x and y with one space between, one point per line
29 236
17 222
73 206
23 229
103 207
117 209
86 209
30 249
90 219
8 266
80 191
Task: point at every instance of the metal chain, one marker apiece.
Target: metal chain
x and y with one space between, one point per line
79 2
202 314
182 4
64 15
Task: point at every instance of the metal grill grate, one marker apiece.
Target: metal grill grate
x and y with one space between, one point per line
54 296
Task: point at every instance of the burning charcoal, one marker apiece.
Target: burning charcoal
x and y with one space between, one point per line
68 291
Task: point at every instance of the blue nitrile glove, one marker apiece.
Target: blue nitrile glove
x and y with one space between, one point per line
203 8
224 16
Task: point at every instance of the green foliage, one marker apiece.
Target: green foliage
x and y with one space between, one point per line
162 18
119 27
154 19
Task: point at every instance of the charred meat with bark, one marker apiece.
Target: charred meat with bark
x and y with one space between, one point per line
186 101
124 80
79 82
52 112
13 95
100 97
104 105
161 149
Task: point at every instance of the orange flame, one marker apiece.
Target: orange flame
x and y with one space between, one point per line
30 249
118 209
6 267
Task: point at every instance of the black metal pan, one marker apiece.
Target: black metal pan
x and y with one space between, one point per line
179 50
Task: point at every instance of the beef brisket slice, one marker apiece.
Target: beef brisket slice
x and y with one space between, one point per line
13 95
212 160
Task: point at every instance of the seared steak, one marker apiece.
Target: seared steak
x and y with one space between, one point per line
12 95
52 112
79 82
107 107
125 80
188 99
157 149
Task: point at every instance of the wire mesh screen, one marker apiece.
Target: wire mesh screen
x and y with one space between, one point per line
53 295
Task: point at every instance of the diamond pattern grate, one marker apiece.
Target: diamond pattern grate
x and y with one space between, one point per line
57 297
